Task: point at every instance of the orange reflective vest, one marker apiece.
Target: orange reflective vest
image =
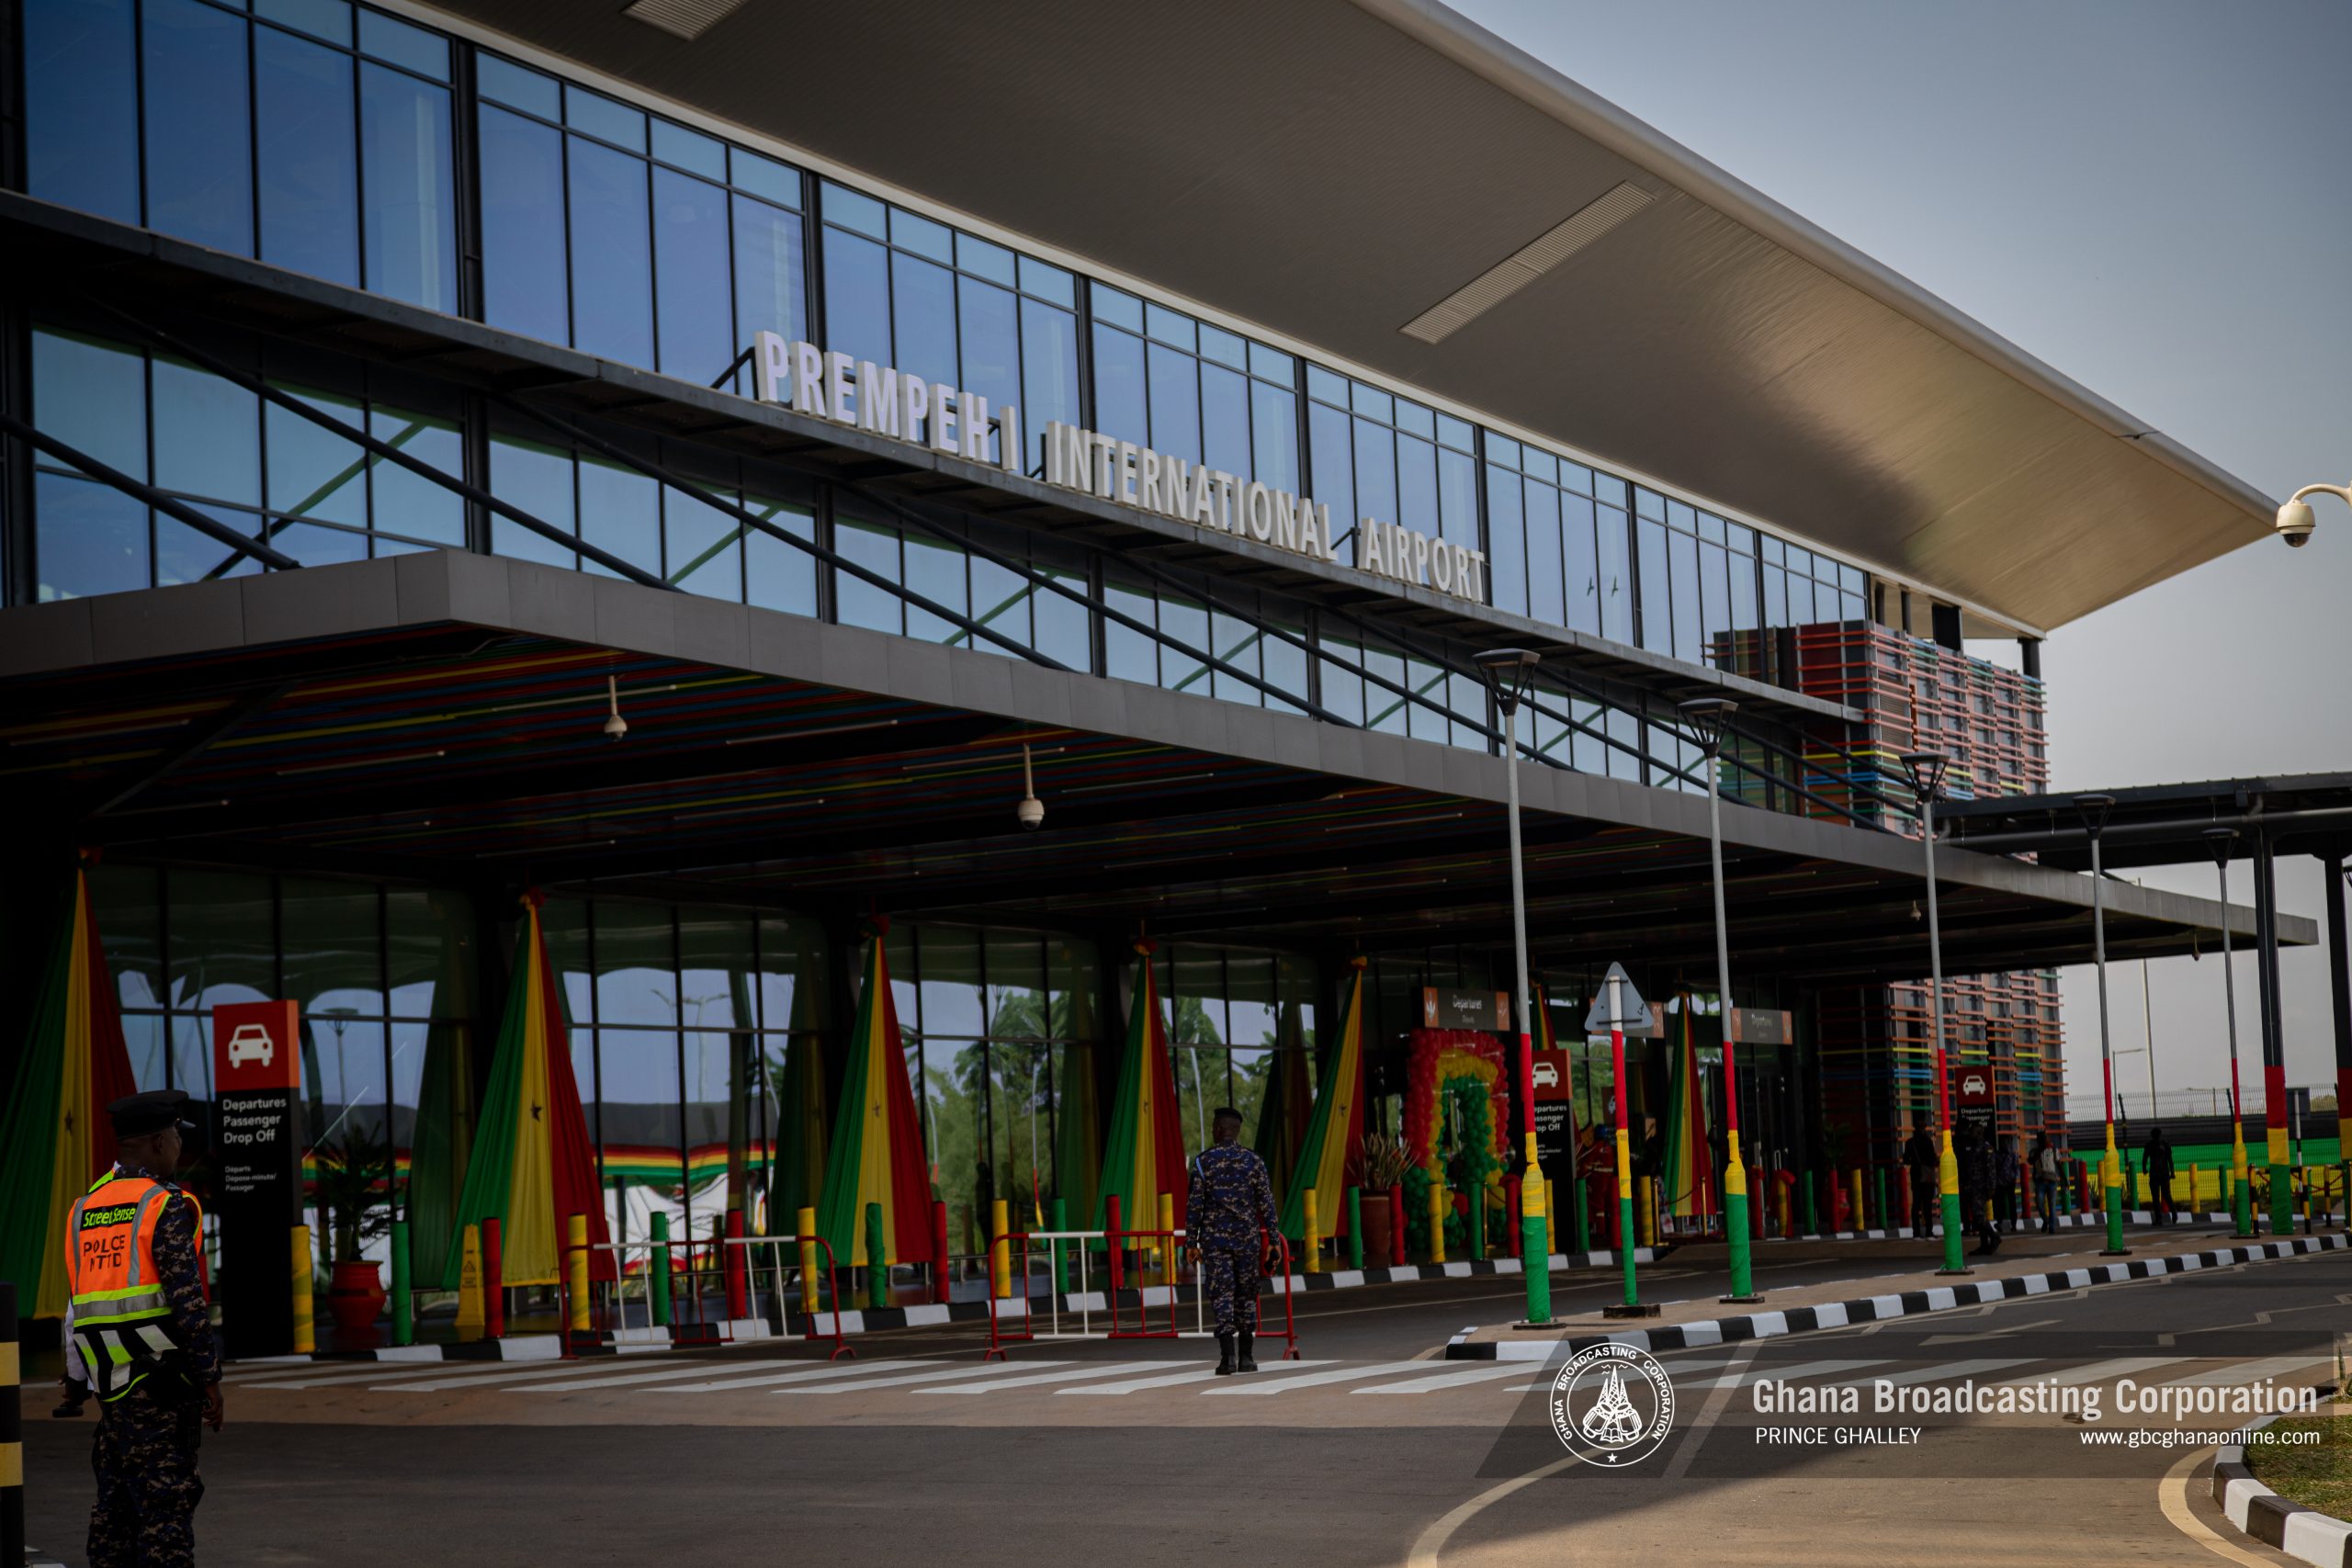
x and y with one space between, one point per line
121 1316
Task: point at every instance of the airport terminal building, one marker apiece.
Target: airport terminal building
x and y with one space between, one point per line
710 462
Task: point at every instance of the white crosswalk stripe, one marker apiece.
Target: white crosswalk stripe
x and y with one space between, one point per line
2099 1371
1168 1380
1781 1374
2250 1371
943 1373
374 1374
1950 1371
1264 1385
799 1373
616 1378
1068 1374
483 1379
1464 1375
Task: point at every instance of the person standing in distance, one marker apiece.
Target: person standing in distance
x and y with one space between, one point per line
146 1339
1227 1216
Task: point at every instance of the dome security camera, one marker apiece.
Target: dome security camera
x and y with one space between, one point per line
1030 813
2295 524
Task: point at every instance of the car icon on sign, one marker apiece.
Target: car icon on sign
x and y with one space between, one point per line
1545 1075
251 1044
1973 1084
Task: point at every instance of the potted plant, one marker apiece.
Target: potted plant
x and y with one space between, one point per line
1384 1167
352 1184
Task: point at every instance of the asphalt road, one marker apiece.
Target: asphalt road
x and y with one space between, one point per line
1371 1453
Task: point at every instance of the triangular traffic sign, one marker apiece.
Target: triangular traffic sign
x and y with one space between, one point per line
1630 1012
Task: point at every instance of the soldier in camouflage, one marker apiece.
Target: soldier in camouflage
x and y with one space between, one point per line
144 1456
1228 1217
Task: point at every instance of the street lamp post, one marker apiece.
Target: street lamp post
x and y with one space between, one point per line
2094 810
2222 840
1510 673
1706 718
1927 770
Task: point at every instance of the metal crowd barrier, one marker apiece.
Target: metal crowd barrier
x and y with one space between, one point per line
1079 1304
577 1316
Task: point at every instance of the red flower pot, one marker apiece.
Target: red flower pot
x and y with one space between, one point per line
355 1298
1376 1239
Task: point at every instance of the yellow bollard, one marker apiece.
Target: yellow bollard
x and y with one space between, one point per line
575 1270
1168 1224
1645 1211
1551 1220
1000 1250
1313 1263
470 1308
812 1295
1437 1222
1861 1215
306 1339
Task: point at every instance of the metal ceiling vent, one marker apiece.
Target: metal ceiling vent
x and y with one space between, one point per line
1523 267
688 19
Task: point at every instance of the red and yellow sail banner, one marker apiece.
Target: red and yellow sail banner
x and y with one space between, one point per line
1686 1168
532 1167
1332 1154
1144 1157
876 1154
55 1138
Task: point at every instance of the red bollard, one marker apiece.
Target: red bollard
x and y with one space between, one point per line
737 1287
938 1252
1755 1204
1616 1213
1111 1240
493 1282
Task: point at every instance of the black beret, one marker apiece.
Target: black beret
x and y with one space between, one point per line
137 1115
1223 1112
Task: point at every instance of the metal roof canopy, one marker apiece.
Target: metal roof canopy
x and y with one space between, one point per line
1348 165
2163 824
439 717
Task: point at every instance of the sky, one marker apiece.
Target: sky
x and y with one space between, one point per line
2155 198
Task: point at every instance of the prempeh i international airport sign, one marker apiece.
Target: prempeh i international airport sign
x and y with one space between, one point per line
881 400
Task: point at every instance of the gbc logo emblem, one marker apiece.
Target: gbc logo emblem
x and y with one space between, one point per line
1611 1405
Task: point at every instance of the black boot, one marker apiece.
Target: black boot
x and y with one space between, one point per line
1249 1361
1225 1355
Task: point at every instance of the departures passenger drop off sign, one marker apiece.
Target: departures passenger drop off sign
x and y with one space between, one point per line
257 1199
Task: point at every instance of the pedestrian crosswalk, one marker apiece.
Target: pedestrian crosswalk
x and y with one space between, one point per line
1073 1375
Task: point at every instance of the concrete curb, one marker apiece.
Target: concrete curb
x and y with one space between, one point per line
2025 1227
1872 1308
2322 1540
797 1325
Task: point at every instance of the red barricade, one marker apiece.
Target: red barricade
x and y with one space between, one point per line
1020 1247
739 1270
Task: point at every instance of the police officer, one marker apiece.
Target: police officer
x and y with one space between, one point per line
1227 1216
145 1339
1924 1162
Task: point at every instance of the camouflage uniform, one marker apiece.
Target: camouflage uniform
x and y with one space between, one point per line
144 1455
1228 1215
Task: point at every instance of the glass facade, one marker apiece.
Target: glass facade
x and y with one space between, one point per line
327 137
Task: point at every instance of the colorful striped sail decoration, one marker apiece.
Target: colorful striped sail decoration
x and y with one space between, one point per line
876 1154
1332 1155
1144 1157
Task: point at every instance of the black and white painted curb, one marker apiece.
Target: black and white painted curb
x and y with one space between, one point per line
2024 1227
2322 1540
797 1325
1875 1309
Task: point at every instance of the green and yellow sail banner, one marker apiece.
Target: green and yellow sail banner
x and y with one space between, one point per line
1288 1100
876 1154
532 1167
1332 1154
1686 1168
1144 1157
797 1179
55 1138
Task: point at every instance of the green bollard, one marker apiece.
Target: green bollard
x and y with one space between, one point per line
1878 1192
1355 1227
2282 1185
877 1265
1805 1201
1061 1257
404 1307
1580 1201
657 1272
1534 1244
1948 1193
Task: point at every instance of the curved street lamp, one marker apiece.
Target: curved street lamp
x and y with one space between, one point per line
1706 718
2221 840
1927 770
2094 810
1510 675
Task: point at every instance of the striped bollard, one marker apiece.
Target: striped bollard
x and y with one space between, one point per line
306 1338
658 1271
12 1446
